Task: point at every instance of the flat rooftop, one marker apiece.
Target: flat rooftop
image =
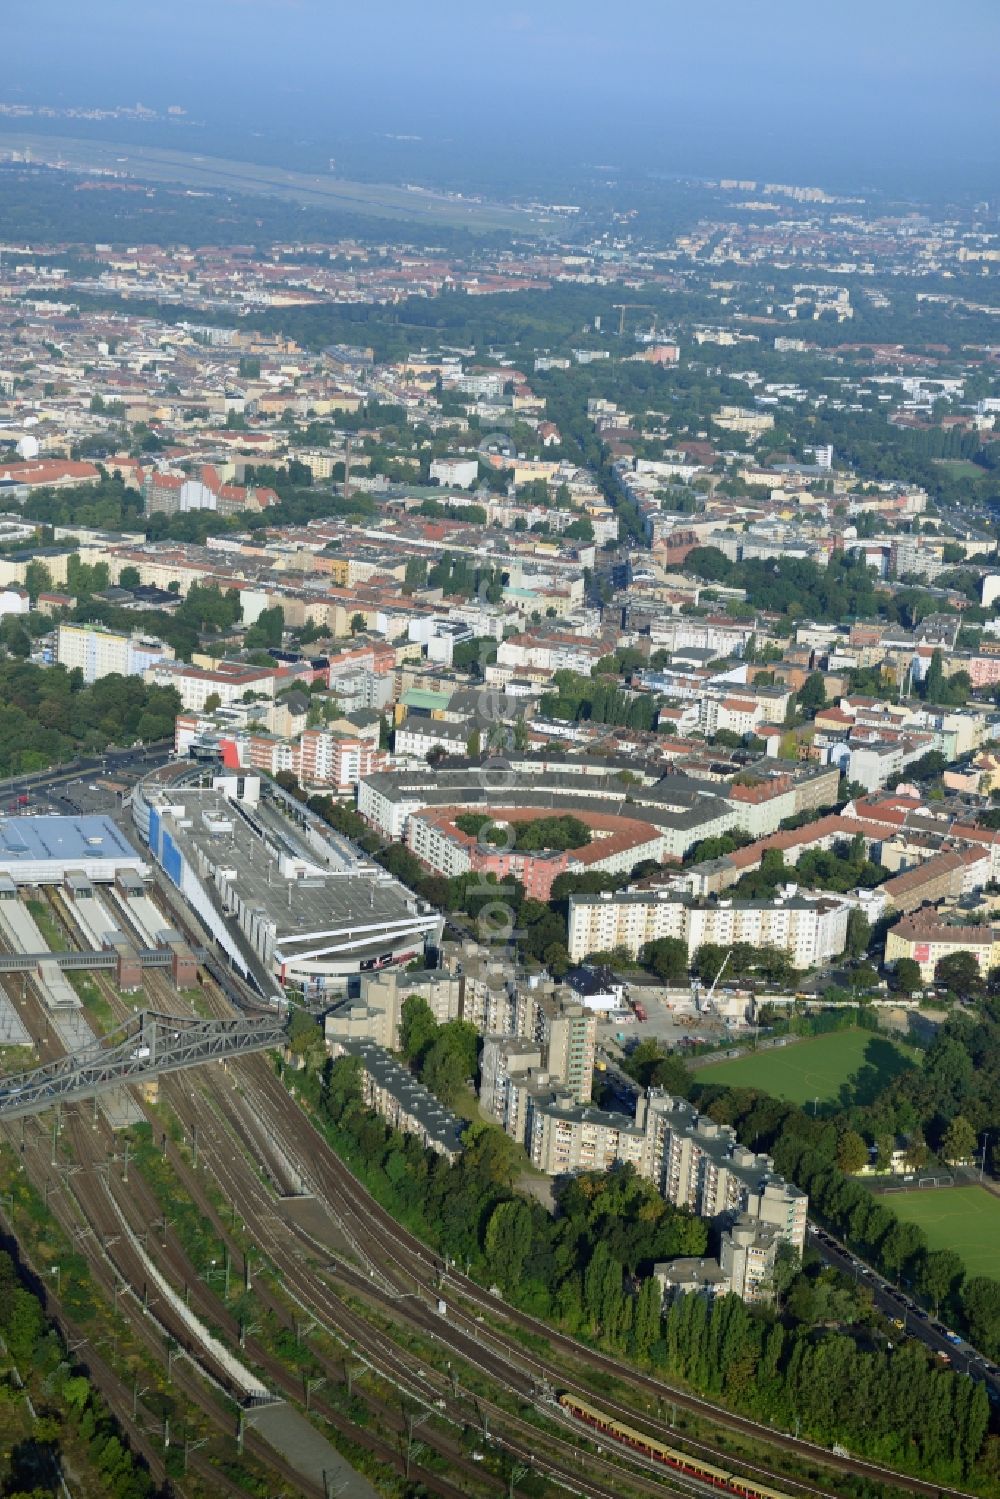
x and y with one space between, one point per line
32 840
274 870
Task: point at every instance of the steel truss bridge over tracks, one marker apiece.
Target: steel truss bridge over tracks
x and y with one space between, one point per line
141 1048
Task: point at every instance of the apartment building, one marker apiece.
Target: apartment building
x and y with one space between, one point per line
564 1136
944 875
404 1103
698 1164
176 494
747 1255
416 737
745 1266
493 1000
809 930
503 1060
568 1033
762 806
455 473
551 652
325 758
383 996
99 652
926 939
228 681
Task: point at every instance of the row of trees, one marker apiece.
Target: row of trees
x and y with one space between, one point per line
892 1405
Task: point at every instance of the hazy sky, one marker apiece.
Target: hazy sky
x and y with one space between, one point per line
856 89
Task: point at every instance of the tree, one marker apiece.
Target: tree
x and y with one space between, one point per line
14 637
647 1318
886 1145
901 1245
981 1304
442 1071
212 702
934 680
812 693
473 747
417 1027
859 934
852 1152
358 624
653 1067
668 958
129 578
787 1263
959 1141
916 1153
906 977
507 1242
37 579
267 629
939 1273
863 979
959 972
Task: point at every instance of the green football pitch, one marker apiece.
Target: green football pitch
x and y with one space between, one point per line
835 1070
966 1219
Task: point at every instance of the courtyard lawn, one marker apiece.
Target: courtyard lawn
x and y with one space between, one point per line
835 1070
965 1219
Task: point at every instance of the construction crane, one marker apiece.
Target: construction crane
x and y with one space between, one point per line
703 1002
722 969
622 307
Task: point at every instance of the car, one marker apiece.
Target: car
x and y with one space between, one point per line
954 1338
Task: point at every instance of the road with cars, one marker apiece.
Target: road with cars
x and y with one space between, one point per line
905 1313
73 788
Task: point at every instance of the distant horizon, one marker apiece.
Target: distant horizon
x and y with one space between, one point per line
889 98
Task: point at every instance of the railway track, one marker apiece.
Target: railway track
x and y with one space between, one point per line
405 1258
523 1439
104 1209
403 1304
66 1207
404 1278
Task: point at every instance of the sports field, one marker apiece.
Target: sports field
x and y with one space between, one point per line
838 1069
966 1219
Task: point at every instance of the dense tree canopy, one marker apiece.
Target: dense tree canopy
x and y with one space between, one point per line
47 715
